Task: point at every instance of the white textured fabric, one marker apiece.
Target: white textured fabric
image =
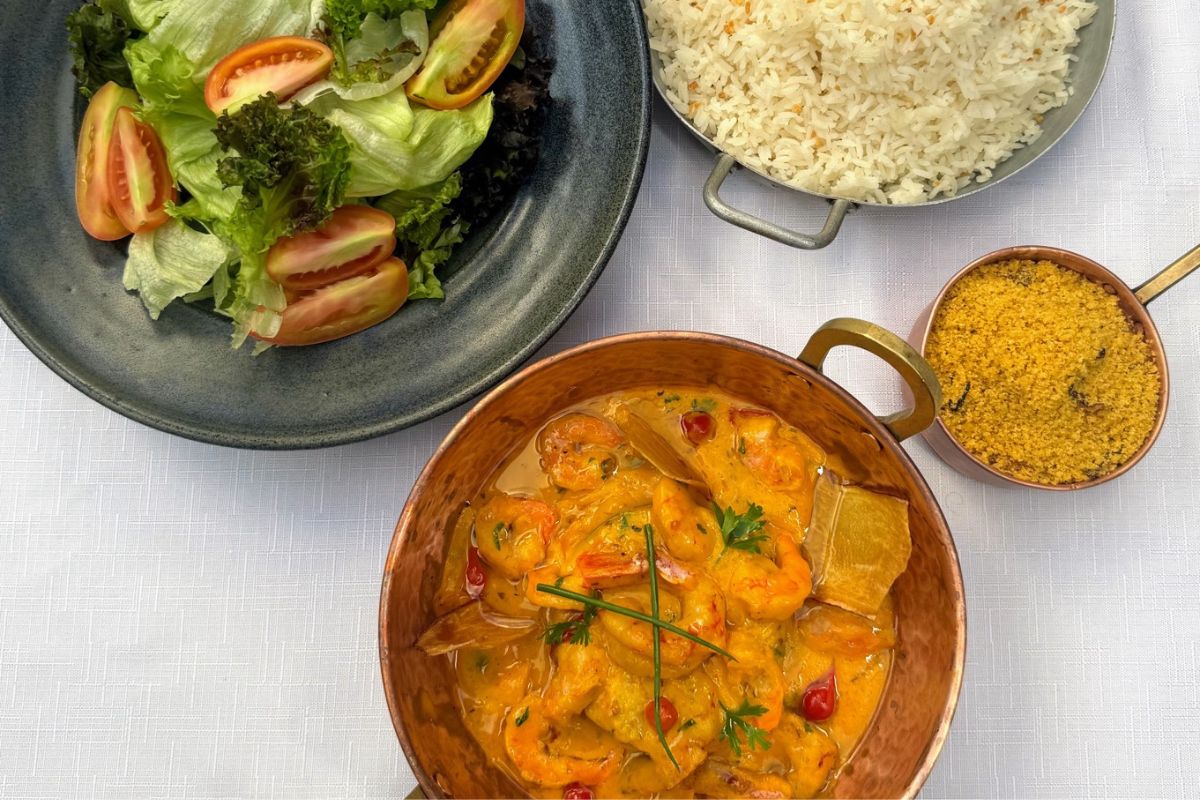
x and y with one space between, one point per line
184 621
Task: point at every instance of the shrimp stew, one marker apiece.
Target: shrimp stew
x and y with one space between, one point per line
712 621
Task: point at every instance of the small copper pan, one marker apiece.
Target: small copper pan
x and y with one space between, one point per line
1133 301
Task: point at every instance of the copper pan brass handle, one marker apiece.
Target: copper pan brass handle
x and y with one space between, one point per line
914 369
416 794
804 241
1185 265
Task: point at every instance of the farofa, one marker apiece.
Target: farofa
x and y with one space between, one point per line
1044 377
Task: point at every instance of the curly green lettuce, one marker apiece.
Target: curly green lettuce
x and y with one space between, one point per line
292 167
97 38
427 231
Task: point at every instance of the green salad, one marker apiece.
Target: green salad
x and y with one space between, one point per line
305 166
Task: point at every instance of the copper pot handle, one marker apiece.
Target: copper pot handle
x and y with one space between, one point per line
1183 266
805 241
915 370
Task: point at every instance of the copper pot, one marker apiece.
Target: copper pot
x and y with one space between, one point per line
1133 302
898 752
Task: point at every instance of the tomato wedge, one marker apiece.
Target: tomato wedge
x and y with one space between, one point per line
91 162
472 42
282 64
352 240
139 183
345 307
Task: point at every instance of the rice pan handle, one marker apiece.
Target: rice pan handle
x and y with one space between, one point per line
915 370
804 241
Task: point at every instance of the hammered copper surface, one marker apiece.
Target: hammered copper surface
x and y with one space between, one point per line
943 442
914 717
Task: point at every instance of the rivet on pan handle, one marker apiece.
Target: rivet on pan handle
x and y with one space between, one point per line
915 370
712 199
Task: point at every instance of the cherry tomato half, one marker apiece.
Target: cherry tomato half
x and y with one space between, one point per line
345 307
472 43
350 242
577 791
820 698
667 712
282 64
91 162
697 426
139 183
476 576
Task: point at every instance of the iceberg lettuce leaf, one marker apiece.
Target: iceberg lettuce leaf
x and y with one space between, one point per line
171 261
395 145
205 32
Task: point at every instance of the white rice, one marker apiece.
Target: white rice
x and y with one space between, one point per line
886 101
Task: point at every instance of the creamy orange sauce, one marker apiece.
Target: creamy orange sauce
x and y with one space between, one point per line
572 509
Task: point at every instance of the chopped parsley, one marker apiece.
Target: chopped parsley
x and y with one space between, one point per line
496 531
736 725
707 405
741 531
522 717
572 631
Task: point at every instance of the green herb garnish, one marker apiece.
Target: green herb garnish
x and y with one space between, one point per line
629 612
496 531
522 717
572 631
736 725
707 405
741 531
658 726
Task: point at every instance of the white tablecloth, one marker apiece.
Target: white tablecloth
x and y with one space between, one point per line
185 621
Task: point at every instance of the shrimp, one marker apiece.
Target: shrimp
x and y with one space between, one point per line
580 673
688 529
755 677
778 455
585 512
717 779
621 708
578 450
553 753
808 751
512 533
612 555
699 610
762 589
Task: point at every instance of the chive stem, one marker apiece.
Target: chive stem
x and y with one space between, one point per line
662 736
629 612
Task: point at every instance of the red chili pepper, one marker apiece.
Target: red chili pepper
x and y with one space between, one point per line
697 426
667 712
577 791
475 574
820 698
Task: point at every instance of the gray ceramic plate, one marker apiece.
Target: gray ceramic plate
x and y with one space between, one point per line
511 285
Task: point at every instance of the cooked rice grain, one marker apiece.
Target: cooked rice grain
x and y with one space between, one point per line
885 101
